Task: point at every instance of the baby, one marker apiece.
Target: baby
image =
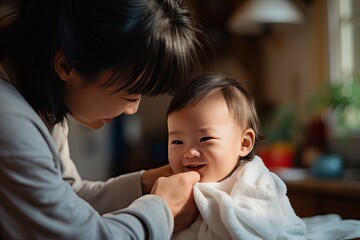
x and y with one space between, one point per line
212 129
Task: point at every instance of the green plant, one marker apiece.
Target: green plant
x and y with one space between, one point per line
340 102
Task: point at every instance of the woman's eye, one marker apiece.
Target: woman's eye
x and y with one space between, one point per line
204 139
176 142
132 100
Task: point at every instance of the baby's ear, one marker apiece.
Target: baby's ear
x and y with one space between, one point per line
247 142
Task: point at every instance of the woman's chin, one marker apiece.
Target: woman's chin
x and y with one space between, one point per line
96 125
93 125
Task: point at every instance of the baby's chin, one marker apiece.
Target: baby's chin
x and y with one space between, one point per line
206 179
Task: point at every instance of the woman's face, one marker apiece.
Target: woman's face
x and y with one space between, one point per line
93 106
204 138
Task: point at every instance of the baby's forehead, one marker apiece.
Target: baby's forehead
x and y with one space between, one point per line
234 104
213 106
210 100
214 95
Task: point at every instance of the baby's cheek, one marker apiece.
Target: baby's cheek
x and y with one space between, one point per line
176 168
174 161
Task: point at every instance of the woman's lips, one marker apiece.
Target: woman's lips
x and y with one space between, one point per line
107 120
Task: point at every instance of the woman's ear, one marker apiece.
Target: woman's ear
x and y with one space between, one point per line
247 142
62 66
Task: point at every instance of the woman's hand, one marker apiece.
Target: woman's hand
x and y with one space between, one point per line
177 191
149 177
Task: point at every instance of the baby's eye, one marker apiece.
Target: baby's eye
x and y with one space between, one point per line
204 139
176 142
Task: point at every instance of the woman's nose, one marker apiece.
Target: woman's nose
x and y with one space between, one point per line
192 153
132 108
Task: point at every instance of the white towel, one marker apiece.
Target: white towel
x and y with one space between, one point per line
250 204
331 227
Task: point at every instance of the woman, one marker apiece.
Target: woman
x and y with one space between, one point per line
91 59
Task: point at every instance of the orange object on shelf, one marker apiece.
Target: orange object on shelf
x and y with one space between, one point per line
278 155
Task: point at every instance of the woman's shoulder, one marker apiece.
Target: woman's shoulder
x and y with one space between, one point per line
12 102
21 128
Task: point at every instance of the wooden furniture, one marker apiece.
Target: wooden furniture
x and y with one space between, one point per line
311 197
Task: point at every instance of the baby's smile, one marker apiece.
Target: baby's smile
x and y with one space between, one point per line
195 167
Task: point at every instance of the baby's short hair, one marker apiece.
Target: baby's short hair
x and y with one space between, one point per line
240 102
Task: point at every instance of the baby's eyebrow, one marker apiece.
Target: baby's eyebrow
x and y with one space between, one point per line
206 129
173 133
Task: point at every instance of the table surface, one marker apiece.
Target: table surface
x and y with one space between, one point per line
311 196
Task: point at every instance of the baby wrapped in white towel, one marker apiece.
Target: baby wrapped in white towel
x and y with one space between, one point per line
213 128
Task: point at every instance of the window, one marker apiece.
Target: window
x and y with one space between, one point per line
344 39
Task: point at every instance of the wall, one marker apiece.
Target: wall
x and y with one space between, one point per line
296 59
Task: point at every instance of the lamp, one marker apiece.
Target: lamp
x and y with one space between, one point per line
255 16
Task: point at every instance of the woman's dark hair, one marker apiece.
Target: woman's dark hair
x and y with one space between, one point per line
152 46
240 102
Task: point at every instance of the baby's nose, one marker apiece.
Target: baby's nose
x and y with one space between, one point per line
192 152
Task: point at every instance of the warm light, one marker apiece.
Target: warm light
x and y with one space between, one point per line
252 15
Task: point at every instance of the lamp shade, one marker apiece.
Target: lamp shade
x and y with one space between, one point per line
250 16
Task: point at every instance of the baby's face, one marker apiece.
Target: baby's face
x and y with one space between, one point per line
204 138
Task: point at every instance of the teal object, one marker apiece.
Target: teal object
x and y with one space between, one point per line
329 166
